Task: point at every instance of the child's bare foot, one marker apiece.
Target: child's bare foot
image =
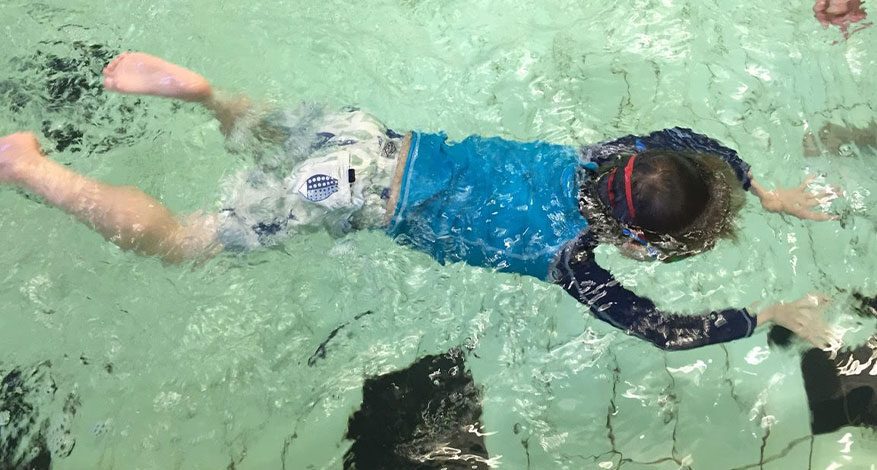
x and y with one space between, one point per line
142 74
18 153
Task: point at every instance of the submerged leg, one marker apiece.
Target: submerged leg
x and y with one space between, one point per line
124 215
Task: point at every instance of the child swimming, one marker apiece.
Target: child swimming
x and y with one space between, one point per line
531 208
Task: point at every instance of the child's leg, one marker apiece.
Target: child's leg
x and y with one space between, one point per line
124 215
143 74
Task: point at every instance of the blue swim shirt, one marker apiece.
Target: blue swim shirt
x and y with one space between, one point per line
489 202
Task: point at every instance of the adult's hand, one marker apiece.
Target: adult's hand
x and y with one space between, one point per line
841 13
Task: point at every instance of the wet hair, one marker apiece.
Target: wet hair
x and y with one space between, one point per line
682 202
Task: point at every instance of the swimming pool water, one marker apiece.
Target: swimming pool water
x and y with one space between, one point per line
208 366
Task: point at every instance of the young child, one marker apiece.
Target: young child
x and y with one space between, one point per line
531 208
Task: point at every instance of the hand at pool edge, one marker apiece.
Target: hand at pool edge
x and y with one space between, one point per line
804 317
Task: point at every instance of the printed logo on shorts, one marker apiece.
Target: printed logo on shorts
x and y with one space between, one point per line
320 187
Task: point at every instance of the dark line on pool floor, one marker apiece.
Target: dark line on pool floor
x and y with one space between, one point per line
285 450
320 353
791 445
673 399
525 443
810 459
731 386
612 409
764 439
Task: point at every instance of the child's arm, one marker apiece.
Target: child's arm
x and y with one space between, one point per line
590 284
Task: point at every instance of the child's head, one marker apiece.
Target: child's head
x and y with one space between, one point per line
673 203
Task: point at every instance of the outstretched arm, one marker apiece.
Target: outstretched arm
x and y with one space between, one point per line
579 274
797 201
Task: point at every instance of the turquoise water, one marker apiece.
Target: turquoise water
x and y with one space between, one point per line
200 367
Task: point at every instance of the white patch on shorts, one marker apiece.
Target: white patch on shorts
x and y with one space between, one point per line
323 180
264 206
318 187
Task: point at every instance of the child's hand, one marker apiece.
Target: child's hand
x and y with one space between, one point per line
798 201
803 317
